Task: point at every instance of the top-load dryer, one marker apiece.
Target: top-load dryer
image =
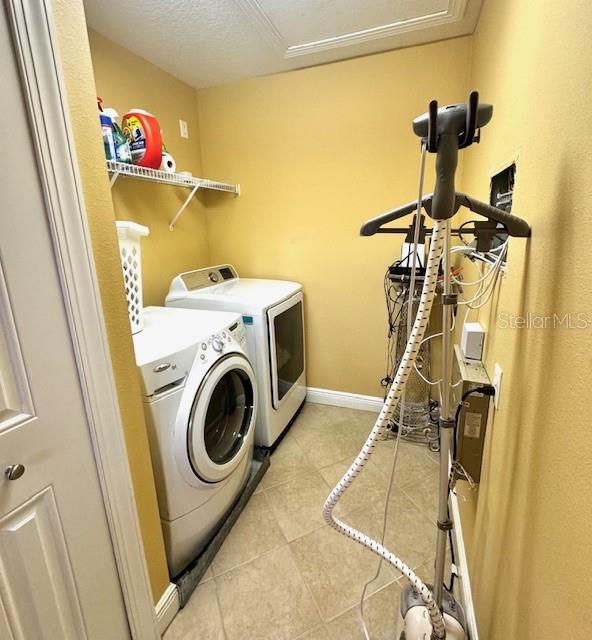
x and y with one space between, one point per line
273 314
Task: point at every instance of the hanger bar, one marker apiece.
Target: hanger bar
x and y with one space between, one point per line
514 225
370 227
428 231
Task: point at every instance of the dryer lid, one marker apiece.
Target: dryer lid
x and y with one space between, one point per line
236 294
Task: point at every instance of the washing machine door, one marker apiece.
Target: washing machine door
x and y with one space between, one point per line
222 418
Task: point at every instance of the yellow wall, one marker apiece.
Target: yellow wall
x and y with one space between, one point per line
317 152
126 81
75 56
530 528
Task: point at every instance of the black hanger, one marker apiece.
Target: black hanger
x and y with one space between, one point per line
514 225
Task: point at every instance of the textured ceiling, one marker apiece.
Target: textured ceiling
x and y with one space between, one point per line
212 42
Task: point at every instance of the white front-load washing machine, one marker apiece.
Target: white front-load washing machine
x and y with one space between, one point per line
200 401
273 314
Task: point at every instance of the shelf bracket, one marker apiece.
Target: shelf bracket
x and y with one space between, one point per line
183 207
113 178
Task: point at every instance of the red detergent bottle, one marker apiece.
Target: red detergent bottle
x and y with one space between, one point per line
143 132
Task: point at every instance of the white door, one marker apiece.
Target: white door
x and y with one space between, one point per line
58 577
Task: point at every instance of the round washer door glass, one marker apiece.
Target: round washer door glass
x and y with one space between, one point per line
228 416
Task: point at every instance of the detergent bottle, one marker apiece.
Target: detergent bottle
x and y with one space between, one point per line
143 133
107 131
122 147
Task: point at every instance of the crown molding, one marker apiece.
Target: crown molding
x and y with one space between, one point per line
454 13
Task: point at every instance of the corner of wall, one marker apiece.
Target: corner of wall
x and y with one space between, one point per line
204 171
70 26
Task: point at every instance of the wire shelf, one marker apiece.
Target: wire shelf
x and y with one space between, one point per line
117 169
176 179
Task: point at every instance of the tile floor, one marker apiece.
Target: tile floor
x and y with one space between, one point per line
282 574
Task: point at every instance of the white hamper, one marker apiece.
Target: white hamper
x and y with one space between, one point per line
129 234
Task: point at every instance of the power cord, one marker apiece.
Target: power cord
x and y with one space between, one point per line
410 325
452 558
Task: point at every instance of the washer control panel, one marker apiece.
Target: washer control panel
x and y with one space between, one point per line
215 343
222 341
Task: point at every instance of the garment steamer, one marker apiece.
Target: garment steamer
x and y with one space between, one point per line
426 611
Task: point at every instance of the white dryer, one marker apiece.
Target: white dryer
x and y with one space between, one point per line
200 401
273 314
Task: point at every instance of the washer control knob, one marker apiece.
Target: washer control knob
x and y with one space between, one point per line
217 344
213 276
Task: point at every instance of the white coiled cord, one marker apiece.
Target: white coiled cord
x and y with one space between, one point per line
428 294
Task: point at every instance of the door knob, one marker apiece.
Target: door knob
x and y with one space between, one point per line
15 471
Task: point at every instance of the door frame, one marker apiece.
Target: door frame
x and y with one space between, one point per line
37 56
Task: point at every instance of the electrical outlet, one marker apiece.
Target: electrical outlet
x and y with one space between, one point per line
184 128
497 384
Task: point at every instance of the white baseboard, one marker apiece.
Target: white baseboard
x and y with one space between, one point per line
344 399
462 568
167 607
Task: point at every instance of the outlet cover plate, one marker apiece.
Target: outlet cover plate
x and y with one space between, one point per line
184 128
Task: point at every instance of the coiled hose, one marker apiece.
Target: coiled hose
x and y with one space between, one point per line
428 294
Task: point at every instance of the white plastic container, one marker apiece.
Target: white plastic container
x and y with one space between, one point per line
129 234
472 339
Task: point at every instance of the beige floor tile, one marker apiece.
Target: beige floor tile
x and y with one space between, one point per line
266 599
255 532
265 588
314 416
413 461
424 494
298 504
410 534
380 615
363 420
200 619
434 456
332 447
320 633
329 435
208 575
287 462
425 572
368 489
335 569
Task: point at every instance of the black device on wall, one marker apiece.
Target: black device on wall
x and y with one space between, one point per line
502 188
501 194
